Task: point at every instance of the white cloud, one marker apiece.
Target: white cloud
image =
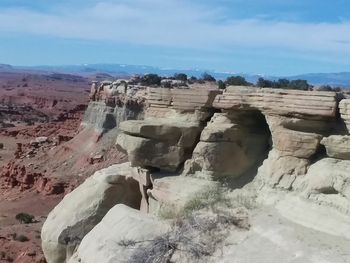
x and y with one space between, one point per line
176 24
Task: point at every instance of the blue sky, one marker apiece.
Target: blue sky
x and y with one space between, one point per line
275 37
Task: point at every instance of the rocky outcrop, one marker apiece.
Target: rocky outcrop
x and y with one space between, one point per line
230 145
284 127
166 142
290 103
83 208
191 140
163 145
297 121
103 117
110 104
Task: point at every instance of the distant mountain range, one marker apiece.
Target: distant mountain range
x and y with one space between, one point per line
334 79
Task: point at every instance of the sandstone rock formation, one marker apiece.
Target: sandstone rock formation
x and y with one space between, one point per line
284 127
193 139
230 145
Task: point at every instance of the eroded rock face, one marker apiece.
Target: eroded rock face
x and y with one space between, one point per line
230 145
187 139
166 142
344 108
291 142
83 208
164 145
291 103
279 171
103 117
328 182
236 139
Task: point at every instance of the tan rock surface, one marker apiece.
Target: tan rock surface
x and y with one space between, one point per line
314 104
180 133
281 171
229 145
328 182
181 99
83 208
151 153
170 193
121 223
337 146
344 108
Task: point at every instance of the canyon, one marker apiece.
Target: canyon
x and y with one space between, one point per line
40 115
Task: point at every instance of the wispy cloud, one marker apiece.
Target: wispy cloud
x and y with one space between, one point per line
176 24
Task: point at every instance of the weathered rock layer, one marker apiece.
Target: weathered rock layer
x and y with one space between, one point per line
189 138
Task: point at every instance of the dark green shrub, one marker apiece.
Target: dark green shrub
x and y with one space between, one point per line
237 81
180 76
21 238
207 77
150 80
221 84
264 83
25 218
298 84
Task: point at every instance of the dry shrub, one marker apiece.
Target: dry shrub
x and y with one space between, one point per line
197 230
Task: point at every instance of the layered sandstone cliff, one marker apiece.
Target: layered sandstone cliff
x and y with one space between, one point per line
276 142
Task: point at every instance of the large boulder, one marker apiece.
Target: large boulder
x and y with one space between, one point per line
337 146
121 225
295 143
83 208
151 153
161 144
291 139
181 133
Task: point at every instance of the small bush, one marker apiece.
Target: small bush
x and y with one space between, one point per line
237 81
180 76
298 84
195 238
21 238
221 84
208 77
197 230
150 80
207 198
192 80
25 218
